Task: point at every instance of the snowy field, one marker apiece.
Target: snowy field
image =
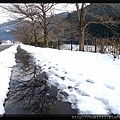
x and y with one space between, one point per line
91 79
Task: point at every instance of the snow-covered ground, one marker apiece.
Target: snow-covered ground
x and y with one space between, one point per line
91 79
7 61
87 48
76 47
7 44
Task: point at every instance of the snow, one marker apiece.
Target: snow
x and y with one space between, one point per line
7 30
91 80
7 61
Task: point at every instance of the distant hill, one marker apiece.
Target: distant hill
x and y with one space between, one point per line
7 27
71 30
5 30
93 30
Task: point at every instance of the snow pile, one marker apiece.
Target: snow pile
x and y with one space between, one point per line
91 80
7 61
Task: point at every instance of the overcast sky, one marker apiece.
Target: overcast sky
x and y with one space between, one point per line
61 7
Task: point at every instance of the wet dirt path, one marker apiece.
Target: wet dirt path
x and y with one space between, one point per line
29 93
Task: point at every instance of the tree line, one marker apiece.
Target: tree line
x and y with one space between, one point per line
38 21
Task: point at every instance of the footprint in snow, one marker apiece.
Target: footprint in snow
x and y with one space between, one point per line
53 66
44 65
109 86
56 69
65 72
80 74
90 81
73 80
110 110
103 100
63 78
81 92
70 88
50 67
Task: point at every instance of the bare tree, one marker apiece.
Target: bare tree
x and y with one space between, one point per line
81 17
37 13
43 17
22 33
105 20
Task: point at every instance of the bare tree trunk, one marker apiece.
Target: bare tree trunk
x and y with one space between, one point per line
46 38
104 20
45 26
82 25
38 13
36 41
82 28
34 32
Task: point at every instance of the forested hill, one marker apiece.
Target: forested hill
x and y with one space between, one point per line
68 26
5 30
96 12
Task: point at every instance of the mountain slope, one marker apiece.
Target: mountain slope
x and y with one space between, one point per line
5 30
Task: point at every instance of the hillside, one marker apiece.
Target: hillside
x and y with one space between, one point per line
5 30
71 29
68 26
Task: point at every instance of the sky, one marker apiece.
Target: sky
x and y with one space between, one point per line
91 80
4 16
61 7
